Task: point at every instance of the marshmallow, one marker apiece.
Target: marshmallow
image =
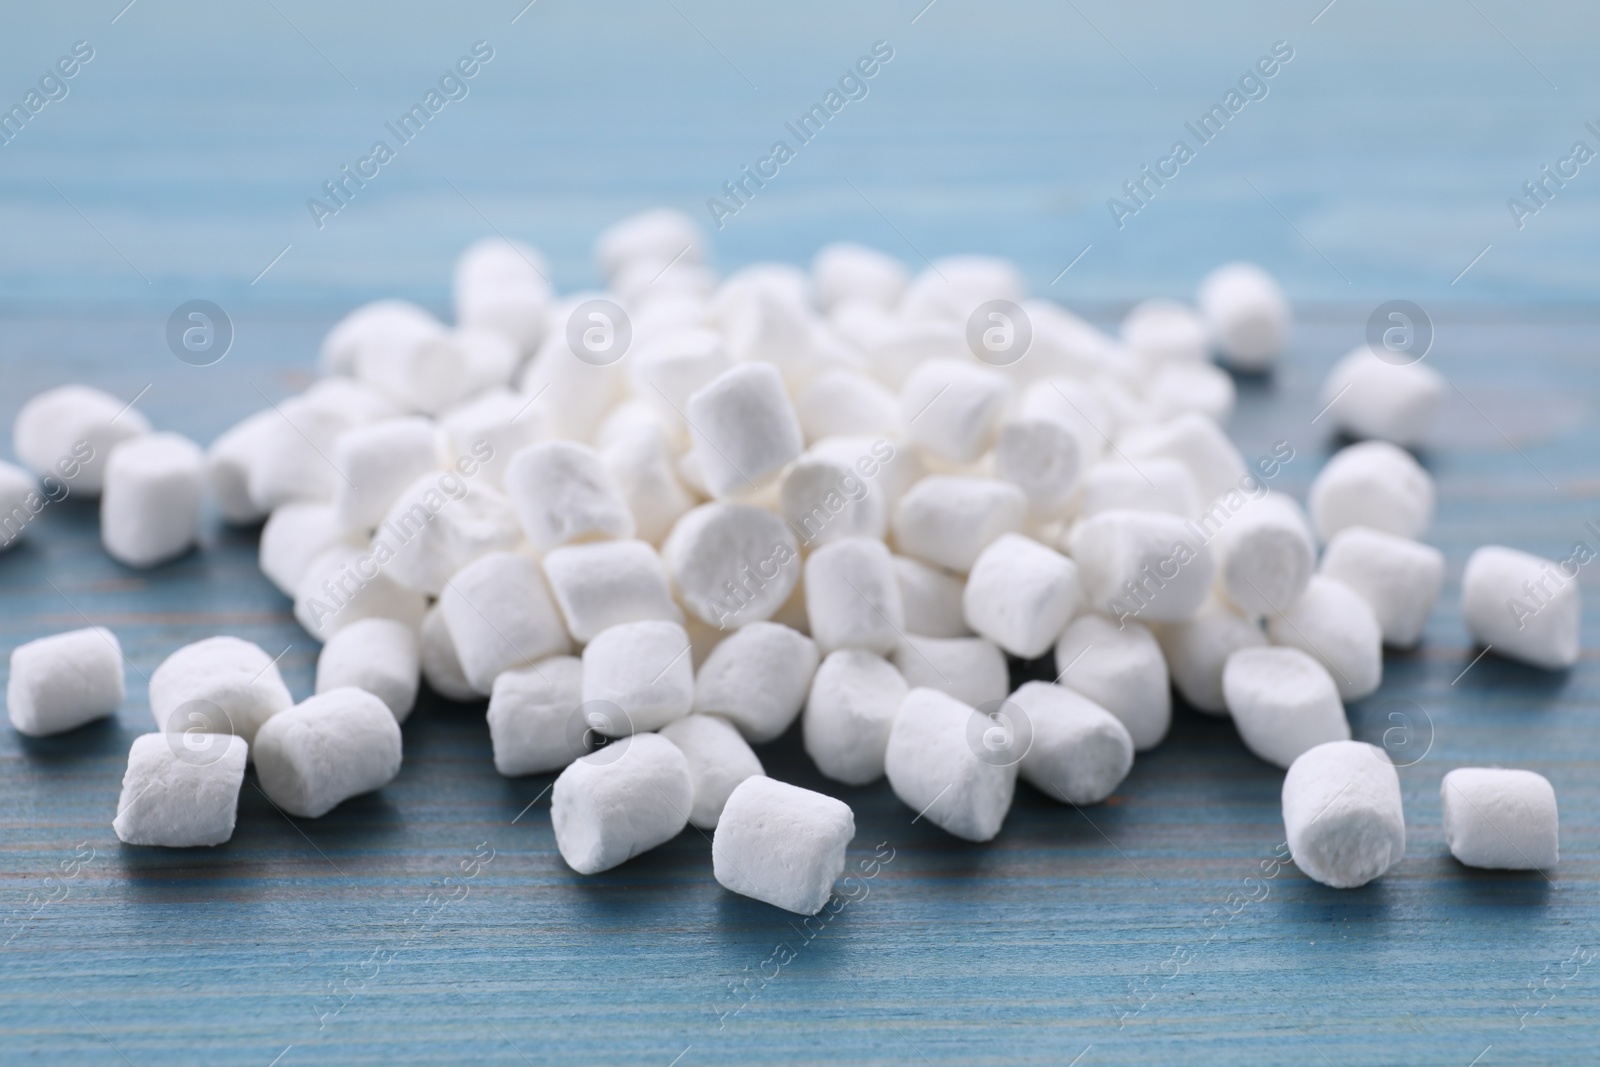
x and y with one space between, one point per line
69 431
903 344
379 460
502 285
1500 819
887 468
1265 554
150 506
1283 702
1020 595
1166 331
436 372
853 596
852 705
378 655
1368 396
670 369
220 685
757 679
64 680
1372 484
841 403
1398 578
1120 668
932 599
953 286
20 501
295 534
1142 564
1150 485
1077 751
1193 387
744 428
781 844
228 462
608 583
642 464
439 524
562 492
845 271
383 325
952 409
173 799
1197 443
823 501
336 591
1526 607
327 749
1342 813
441 667
949 521
1197 650
1041 456
719 759
934 766
659 234
643 668
567 394
501 616
293 460
1247 314
490 428
969 669
1332 624
627 798
534 717
732 563
1074 405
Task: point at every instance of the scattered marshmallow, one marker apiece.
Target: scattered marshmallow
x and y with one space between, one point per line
744 428
378 655
1342 813
1369 396
1020 595
609 583
1247 314
62 681
970 669
228 462
562 492
1142 564
150 504
1332 624
502 285
757 679
627 798
177 800
781 844
719 759
1197 651
1526 607
327 749
952 409
948 520
1372 484
1120 668
69 432
852 705
732 563
932 599
853 596
1283 702
1192 387
934 768
221 685
1500 819
1265 554
671 368
644 669
380 325
441 667
660 234
1399 579
491 428
1077 751
534 721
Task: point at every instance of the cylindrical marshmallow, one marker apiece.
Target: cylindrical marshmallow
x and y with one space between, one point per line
1078 752
69 431
228 462
844 271
952 409
932 599
377 461
853 596
221 685
1199 444
1372 484
643 668
934 766
150 507
1042 457
1526 607
1142 565
348 582
744 428
1369 396
948 521
438 525
1247 313
295 534
1197 650
64 680
970 669
1500 819
625 799
849 712
732 564
535 717
782 844
1020 595
1283 702
378 655
1120 668
1336 628
327 749
757 679
719 759
441 667
1398 578
562 492
1342 813
1166 331
609 583
824 501
172 799
501 616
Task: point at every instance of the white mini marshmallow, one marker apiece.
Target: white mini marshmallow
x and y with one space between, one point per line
562 492
378 460
887 467
823 500
845 403
293 462
1043 458
853 701
1076 406
220 685
757 679
327 749
378 655
1528 608
431 374
952 409
62 681
502 285
658 234
1197 650
180 797
438 525
625 799
1166 331
732 564
1020 595
150 504
845 271
534 721
719 759
1247 313
380 325
1333 625
488 430
970 669
1398 578
781 844
645 669
228 462
953 286
932 599
645 471
1283 702
1195 441
501 616
744 428
69 431
949 521
608 583
1265 554
1077 751
1120 668
934 767
1194 387
853 597
902 345
336 591
441 667
1500 819
669 369
1370 396
1150 485
566 394
1372 484
1342 813
295 534
1142 564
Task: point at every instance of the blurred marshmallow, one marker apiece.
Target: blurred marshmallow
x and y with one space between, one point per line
62 681
1526 607
150 506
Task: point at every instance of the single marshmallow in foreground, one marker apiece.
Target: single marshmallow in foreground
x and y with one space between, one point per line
719 759
1247 313
732 564
327 749
441 667
69 431
627 798
1342 813
1265 554
220 685
849 712
853 596
150 505
1142 565
781 844
1372 484
1369 395
609 583
228 462
948 520
1077 752
535 720
932 599
936 766
1197 651
757 679
1526 607
1120 668
644 669
744 428
377 461
295 534
348 582
562 492
174 798
1500 819
62 681
1333 625
1398 578
1283 703
1020 595
378 655
970 669
501 616
952 409
1199 444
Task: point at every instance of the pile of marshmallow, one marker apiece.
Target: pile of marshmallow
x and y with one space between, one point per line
655 525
